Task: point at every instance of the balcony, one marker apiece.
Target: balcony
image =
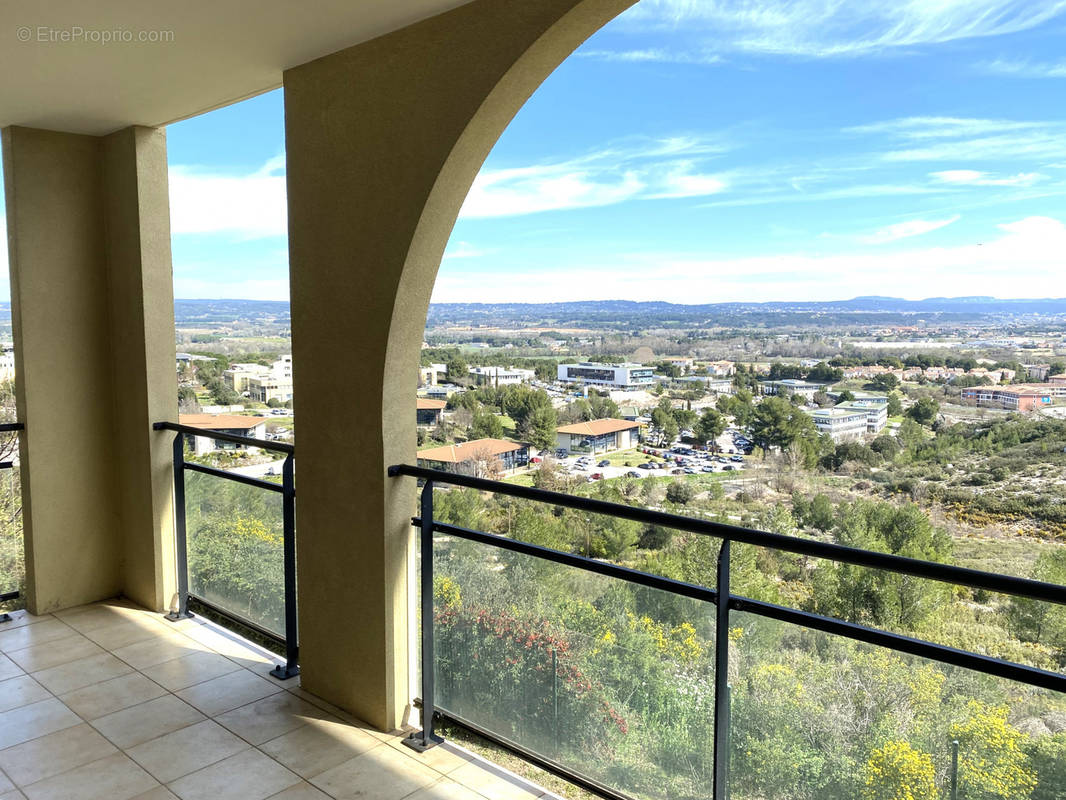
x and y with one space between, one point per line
111 702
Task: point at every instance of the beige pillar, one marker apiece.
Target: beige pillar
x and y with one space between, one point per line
383 141
88 227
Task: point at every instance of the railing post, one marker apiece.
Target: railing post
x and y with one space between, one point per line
955 770
721 678
290 668
181 554
425 739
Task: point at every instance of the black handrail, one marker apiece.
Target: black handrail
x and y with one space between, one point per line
947 573
6 427
247 441
723 599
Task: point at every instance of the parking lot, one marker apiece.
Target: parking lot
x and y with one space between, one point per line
645 461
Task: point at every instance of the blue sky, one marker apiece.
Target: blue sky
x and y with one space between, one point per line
703 151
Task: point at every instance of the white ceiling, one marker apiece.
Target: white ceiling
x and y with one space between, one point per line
220 52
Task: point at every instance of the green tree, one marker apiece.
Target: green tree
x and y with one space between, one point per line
895 406
1047 755
539 427
845 397
777 424
710 426
486 425
1038 621
924 411
680 492
664 421
885 382
457 370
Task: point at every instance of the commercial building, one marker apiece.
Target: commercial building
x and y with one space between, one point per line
1037 372
1057 380
842 424
876 414
480 457
1020 397
260 382
615 376
432 375
598 436
805 389
7 365
249 427
501 376
429 411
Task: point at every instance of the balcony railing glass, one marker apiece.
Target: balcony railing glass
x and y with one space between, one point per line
712 694
12 543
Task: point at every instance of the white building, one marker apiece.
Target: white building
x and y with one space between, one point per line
248 427
876 414
793 386
260 382
616 376
500 376
842 424
7 365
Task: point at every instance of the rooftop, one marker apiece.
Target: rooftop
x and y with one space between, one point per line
478 448
598 427
218 422
112 701
428 404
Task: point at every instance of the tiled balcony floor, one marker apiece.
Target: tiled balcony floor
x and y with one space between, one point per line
112 702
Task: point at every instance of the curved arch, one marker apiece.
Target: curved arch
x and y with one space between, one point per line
383 142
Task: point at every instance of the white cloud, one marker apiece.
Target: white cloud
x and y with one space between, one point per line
463 250
972 177
907 229
1023 69
967 138
1022 258
826 28
924 128
249 206
654 55
659 169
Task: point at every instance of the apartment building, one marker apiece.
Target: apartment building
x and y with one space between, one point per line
614 376
842 424
1021 397
260 382
805 389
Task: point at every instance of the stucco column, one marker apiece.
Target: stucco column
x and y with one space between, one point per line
383 141
92 308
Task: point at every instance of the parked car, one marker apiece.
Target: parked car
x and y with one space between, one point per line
728 467
634 474
708 468
535 460
595 476
646 465
604 463
739 459
677 471
689 471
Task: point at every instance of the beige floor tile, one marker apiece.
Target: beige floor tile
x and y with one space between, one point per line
5 784
8 668
270 717
227 692
23 617
378 774
125 632
301 791
249 775
158 793
445 789
116 777
96 615
230 646
14 794
37 719
495 782
180 673
107 697
140 723
157 650
444 757
81 672
176 754
21 691
318 746
51 654
50 755
46 630
343 715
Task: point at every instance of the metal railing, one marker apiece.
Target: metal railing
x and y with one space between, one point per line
9 427
724 600
287 489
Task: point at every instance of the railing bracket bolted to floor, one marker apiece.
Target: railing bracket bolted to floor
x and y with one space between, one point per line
181 555
425 739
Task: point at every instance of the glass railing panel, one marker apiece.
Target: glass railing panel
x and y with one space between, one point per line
12 556
610 679
235 548
820 716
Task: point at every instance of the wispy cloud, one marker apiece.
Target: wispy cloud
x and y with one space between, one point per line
972 177
659 169
907 229
660 55
248 205
926 128
828 28
965 138
463 250
1023 69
